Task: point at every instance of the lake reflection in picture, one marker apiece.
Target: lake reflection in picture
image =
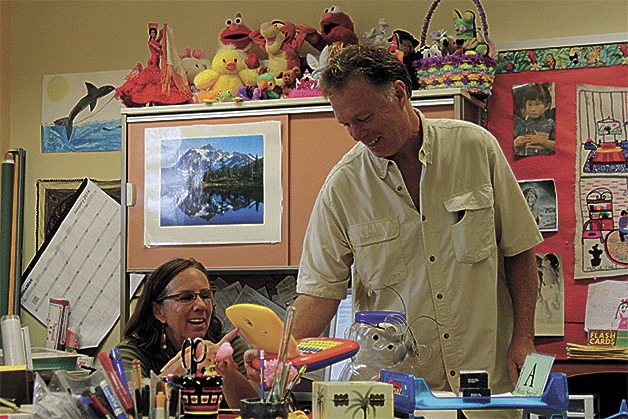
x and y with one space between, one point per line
204 183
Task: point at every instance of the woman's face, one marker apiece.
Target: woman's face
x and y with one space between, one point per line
531 198
185 319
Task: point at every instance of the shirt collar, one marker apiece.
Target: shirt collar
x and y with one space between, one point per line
381 165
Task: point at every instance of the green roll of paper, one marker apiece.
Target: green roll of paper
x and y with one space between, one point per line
6 215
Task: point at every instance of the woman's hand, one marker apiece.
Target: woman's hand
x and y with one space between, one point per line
175 366
252 374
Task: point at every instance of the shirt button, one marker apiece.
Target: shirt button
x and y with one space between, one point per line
432 258
399 188
423 218
439 296
452 373
446 335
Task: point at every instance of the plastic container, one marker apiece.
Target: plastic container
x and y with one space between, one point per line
385 342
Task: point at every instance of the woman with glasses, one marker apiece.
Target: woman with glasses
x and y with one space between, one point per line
176 304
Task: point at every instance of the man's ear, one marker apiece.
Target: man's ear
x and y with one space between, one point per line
400 91
158 313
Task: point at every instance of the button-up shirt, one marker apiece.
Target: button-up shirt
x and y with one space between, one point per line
443 264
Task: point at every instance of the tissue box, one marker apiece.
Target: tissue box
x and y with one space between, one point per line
345 399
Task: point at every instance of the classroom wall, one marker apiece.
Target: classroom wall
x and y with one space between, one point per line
53 37
5 67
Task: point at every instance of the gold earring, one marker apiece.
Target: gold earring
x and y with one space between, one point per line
163 337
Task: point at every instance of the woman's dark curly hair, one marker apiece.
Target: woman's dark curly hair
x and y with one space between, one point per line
143 326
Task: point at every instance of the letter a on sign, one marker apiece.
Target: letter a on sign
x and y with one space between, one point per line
533 376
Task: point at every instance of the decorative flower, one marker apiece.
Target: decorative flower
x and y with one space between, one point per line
269 372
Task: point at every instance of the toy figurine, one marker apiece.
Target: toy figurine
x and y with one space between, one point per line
162 81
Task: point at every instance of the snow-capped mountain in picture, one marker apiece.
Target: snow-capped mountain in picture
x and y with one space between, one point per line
193 164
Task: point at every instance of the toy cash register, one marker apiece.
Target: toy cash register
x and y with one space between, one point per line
262 328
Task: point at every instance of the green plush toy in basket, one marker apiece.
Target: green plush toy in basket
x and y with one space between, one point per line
464 60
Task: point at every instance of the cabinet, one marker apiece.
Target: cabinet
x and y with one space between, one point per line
311 143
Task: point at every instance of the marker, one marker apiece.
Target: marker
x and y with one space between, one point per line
261 372
118 366
84 405
120 390
118 412
102 401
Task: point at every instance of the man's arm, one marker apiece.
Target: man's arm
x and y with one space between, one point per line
522 281
313 315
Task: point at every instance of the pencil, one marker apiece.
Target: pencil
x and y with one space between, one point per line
261 372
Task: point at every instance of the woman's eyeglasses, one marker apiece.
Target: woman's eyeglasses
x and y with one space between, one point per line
187 297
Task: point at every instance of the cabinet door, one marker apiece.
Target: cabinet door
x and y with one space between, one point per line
140 257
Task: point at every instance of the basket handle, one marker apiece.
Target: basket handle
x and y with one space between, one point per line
478 5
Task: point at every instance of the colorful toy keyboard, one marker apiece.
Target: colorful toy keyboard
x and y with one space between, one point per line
262 328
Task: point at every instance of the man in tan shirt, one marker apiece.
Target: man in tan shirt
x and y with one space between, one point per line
424 216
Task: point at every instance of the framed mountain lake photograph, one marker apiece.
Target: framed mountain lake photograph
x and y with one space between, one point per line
213 184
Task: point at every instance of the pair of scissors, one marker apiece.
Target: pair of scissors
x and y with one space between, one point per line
195 355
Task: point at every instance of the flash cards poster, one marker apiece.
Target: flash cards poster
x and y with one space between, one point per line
602 182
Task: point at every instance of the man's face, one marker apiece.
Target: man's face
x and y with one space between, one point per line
372 118
535 108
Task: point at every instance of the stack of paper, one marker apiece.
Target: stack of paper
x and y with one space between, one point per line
575 351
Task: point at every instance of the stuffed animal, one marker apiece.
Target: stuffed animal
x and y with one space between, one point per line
289 78
318 64
378 36
228 72
226 96
282 41
337 30
306 87
264 89
236 33
466 34
193 62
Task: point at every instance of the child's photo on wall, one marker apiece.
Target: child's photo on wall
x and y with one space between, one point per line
534 119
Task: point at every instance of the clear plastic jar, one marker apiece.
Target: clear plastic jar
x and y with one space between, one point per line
384 340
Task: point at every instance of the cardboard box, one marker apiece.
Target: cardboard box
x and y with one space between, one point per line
342 399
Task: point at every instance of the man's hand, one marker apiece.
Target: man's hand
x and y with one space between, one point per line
517 353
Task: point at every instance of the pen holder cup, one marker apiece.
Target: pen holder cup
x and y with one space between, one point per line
201 395
258 409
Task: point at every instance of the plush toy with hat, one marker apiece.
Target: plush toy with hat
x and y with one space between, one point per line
404 46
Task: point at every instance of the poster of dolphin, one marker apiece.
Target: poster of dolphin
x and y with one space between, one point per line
80 113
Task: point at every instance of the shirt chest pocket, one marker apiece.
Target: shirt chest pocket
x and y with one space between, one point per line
473 235
378 253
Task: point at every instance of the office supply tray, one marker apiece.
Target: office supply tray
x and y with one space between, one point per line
412 393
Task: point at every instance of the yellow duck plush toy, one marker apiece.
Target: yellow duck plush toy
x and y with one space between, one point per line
228 72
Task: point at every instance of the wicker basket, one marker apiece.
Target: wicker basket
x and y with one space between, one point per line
473 72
